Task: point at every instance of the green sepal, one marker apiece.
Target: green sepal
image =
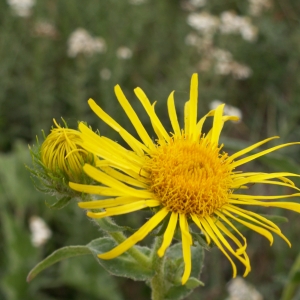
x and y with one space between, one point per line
56 256
61 203
174 265
123 265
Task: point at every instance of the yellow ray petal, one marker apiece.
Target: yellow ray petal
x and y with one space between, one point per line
111 122
286 205
173 115
124 178
137 236
186 248
133 117
133 143
111 152
250 148
96 204
193 105
161 139
143 179
95 190
254 197
258 229
256 217
149 109
168 235
242 248
219 245
187 118
122 151
202 120
114 183
258 178
254 156
197 222
220 236
124 209
217 124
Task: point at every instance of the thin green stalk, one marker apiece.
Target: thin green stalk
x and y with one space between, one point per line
157 283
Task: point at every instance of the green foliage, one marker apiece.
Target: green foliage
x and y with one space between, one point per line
174 266
39 81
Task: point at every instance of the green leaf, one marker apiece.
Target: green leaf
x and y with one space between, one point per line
56 256
60 203
193 282
275 218
123 265
174 267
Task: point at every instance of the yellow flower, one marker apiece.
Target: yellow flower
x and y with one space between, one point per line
185 175
62 153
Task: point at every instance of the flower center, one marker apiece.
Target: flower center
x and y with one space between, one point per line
190 177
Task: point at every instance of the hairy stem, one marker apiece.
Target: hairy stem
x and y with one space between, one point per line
157 282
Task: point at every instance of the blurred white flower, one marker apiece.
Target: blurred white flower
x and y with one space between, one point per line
223 61
105 74
198 3
203 22
40 232
80 41
21 8
240 71
124 52
136 2
192 5
228 109
256 7
45 29
192 39
239 289
233 24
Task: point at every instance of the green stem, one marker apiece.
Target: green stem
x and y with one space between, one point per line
119 237
157 283
291 285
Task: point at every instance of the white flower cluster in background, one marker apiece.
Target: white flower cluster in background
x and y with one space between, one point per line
230 23
212 58
80 41
192 5
124 52
227 23
256 7
21 8
45 29
203 22
239 289
137 2
40 232
226 65
228 109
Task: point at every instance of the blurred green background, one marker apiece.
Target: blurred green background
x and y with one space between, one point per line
55 55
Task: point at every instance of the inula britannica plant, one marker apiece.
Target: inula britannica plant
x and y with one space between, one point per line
186 180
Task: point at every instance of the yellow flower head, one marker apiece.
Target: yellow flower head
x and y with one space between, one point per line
185 174
62 153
